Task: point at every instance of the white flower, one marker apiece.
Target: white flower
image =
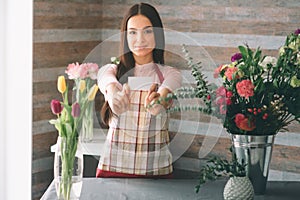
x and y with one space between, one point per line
268 60
115 60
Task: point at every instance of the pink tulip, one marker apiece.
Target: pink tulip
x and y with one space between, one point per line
92 70
76 71
56 107
75 110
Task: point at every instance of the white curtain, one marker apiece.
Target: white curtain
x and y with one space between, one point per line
15 99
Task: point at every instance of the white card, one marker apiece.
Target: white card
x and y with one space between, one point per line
140 83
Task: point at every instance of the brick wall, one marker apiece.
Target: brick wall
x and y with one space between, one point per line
66 31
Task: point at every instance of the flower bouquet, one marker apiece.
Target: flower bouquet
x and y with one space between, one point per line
84 76
68 124
258 97
260 94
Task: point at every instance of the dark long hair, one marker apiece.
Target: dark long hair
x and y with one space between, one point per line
127 61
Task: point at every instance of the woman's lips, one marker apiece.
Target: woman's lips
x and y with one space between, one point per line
140 47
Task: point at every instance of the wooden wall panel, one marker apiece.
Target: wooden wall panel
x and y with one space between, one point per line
59 54
284 158
65 31
52 54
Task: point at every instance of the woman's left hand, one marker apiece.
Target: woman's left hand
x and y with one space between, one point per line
150 99
152 94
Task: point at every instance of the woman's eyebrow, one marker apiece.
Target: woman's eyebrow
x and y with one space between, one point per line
142 28
147 27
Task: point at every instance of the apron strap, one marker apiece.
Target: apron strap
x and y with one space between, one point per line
160 75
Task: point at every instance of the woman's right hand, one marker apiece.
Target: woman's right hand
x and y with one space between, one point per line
117 99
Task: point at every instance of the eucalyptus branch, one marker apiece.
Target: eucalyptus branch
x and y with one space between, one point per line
201 90
217 167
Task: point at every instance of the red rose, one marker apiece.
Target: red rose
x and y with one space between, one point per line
243 122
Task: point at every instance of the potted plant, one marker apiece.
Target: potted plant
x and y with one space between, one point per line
237 187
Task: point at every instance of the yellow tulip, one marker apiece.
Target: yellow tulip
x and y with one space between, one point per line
82 85
61 84
92 92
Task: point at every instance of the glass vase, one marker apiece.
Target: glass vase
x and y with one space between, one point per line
68 168
87 129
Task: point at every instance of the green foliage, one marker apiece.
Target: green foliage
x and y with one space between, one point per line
202 89
217 167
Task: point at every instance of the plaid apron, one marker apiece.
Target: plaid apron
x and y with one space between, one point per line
137 142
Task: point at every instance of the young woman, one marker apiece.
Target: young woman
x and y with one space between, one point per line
137 140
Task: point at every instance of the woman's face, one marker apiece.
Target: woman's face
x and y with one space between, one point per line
140 37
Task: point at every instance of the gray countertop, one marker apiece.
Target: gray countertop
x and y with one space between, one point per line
169 189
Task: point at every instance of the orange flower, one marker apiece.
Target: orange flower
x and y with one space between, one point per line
230 72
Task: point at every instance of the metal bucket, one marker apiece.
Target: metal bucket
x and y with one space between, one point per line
256 151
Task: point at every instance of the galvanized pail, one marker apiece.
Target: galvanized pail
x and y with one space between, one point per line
256 151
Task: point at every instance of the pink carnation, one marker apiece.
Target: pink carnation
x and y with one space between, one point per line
217 71
245 88
220 101
221 91
230 72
